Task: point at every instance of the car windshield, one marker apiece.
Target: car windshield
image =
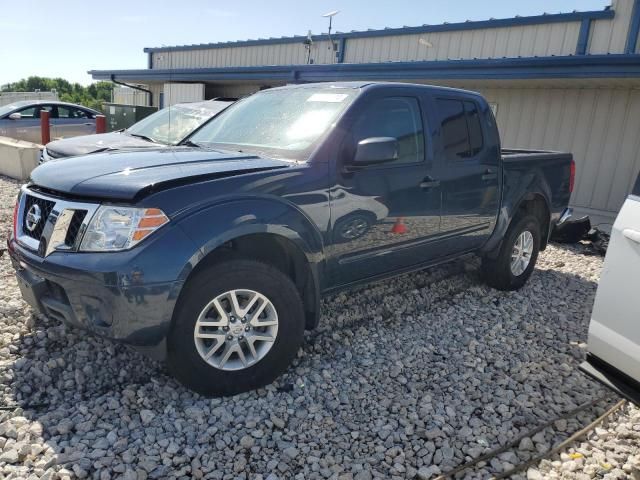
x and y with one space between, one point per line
170 125
285 123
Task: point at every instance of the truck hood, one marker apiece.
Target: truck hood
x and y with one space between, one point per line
102 142
129 175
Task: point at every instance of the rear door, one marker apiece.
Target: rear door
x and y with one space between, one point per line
469 176
72 122
614 331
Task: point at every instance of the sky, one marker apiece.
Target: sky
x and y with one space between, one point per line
68 37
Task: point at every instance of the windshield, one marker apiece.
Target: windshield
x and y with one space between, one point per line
284 123
170 125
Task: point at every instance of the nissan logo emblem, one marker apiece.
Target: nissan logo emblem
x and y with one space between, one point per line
34 215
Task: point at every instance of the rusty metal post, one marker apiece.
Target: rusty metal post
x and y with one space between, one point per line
45 127
101 124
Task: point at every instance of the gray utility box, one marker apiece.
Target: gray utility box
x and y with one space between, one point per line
121 116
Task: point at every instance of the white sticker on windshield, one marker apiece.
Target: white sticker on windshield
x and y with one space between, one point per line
327 97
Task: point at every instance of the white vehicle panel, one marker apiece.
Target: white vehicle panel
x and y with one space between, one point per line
614 331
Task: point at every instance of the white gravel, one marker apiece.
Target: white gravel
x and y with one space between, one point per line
405 378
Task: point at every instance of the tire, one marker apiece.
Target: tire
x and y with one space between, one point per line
498 273
212 377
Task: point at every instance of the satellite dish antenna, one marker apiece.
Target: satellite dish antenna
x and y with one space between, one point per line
330 16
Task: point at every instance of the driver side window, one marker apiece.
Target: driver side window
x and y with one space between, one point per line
397 117
28 113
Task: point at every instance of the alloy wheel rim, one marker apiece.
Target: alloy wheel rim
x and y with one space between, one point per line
521 253
236 329
354 229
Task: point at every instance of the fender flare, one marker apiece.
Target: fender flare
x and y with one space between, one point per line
242 217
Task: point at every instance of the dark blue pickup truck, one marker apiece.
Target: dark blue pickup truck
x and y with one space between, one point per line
214 255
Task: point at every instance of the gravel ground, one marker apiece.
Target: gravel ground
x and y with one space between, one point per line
405 378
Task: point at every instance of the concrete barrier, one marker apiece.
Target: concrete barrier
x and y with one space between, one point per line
18 158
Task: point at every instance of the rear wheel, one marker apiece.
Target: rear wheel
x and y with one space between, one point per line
238 326
517 256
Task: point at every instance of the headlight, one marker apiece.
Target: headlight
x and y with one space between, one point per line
119 228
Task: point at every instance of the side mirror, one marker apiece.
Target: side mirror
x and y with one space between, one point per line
15 116
375 150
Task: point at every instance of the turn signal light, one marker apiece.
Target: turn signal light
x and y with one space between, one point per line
152 219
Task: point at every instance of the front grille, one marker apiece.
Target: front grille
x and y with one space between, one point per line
45 209
74 227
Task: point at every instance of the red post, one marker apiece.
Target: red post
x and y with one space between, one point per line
45 128
101 124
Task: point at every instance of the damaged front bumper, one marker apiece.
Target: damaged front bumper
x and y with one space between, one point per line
131 311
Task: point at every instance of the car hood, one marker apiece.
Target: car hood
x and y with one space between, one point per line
101 142
129 175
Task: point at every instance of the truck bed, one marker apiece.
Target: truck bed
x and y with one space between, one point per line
520 154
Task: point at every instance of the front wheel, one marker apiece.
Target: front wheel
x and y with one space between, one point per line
238 325
517 256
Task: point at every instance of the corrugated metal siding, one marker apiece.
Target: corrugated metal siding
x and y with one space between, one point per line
156 88
182 93
129 96
600 127
610 36
282 54
528 41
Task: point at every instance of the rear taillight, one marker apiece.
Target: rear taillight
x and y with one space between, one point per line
15 218
572 176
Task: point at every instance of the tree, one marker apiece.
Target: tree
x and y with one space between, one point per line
92 96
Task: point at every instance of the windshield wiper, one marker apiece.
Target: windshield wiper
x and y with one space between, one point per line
144 137
189 143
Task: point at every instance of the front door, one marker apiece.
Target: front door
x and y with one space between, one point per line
470 172
27 127
382 215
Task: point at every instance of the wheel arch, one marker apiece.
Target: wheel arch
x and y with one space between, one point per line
536 204
275 245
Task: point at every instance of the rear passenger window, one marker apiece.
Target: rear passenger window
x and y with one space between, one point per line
397 117
461 128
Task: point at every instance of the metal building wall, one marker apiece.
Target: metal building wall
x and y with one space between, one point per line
278 54
599 125
541 39
526 41
610 36
129 96
156 89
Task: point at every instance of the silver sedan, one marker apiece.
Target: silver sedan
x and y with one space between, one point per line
21 120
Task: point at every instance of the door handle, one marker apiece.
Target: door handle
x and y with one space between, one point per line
632 235
489 175
429 182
